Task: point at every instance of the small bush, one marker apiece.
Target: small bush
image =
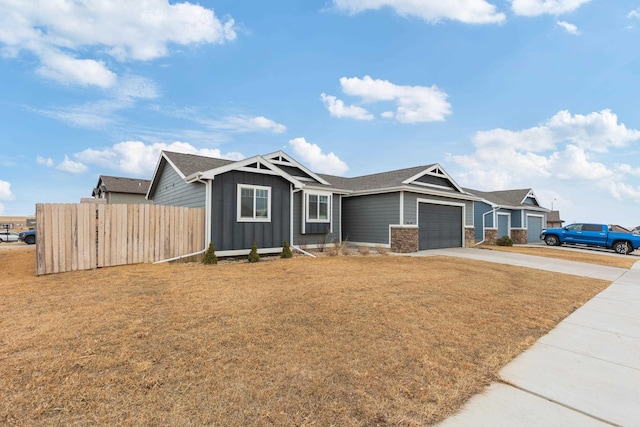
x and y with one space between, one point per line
504 241
253 255
210 255
364 250
286 251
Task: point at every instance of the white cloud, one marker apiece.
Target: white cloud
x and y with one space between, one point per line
5 190
139 159
414 104
566 155
244 123
634 14
569 28
317 160
59 33
542 7
48 162
467 11
337 108
68 165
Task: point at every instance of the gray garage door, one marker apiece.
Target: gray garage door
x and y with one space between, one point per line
440 226
534 227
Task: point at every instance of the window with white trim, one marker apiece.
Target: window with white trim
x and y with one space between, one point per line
318 207
254 203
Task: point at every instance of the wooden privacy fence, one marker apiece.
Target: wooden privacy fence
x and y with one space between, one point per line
84 236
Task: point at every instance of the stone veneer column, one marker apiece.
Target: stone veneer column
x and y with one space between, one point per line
519 236
490 236
469 237
404 239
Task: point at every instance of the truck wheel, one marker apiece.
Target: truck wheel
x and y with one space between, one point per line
30 240
552 240
622 248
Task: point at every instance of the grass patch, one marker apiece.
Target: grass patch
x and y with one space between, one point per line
348 341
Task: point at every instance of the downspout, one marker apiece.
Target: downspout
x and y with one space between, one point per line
207 221
492 211
291 244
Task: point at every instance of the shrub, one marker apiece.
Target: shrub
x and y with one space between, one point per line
504 241
210 255
286 251
382 250
253 255
364 250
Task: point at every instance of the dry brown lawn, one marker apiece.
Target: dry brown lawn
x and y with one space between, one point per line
342 341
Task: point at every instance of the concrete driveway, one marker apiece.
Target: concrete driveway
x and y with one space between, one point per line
585 372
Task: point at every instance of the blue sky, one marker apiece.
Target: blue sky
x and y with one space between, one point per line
504 94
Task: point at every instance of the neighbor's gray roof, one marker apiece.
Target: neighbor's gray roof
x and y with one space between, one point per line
191 163
117 184
377 181
554 216
502 198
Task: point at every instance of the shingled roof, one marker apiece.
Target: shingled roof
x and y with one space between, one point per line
376 181
117 184
189 164
503 198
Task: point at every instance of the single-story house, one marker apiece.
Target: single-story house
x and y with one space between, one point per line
273 198
116 189
514 213
268 199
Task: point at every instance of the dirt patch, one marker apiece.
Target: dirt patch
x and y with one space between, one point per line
348 341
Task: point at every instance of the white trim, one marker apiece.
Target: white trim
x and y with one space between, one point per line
401 208
535 216
328 195
445 203
423 191
290 161
207 212
240 252
426 184
264 167
340 225
240 218
437 171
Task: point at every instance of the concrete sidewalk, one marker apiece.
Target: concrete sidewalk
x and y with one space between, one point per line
585 372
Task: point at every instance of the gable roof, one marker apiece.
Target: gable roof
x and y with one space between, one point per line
118 184
188 164
509 198
431 179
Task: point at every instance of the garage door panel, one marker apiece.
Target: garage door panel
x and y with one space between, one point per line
534 228
440 226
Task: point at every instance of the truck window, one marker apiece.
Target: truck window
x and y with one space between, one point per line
592 227
574 227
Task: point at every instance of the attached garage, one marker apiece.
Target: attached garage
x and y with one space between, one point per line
440 226
534 228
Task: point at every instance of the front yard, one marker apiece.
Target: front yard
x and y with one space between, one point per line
345 341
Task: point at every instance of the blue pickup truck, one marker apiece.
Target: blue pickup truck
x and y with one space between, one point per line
599 235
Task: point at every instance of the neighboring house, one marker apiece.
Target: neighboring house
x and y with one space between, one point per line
273 198
406 210
115 189
268 199
513 213
553 219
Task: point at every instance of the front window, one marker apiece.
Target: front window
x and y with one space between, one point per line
254 203
318 207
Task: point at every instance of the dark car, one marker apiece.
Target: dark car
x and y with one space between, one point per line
29 237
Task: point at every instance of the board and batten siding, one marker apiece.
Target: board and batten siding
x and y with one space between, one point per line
227 233
171 190
300 239
128 199
366 219
411 207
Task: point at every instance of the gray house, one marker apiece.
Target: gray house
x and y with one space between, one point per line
268 199
406 210
513 213
115 189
